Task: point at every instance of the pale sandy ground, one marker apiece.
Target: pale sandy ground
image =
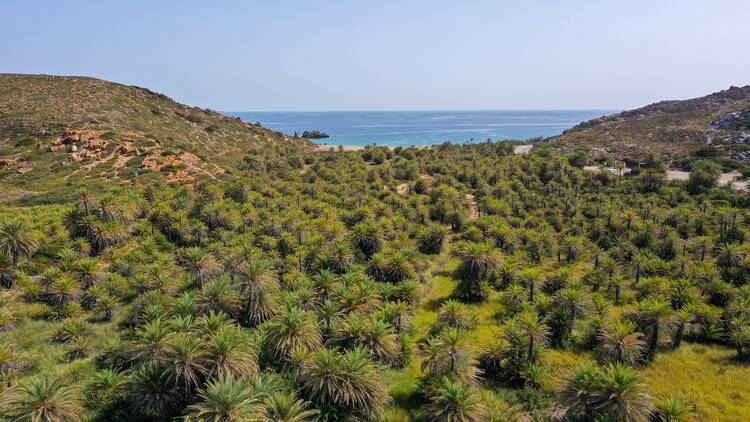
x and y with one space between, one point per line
730 178
522 149
519 149
612 170
326 148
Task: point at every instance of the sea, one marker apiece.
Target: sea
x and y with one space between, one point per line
406 128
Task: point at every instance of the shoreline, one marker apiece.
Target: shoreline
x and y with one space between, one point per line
517 149
327 148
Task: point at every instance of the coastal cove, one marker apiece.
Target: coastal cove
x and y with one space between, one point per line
406 128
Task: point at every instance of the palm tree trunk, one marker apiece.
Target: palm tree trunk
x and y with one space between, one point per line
531 350
531 292
617 293
654 342
637 273
678 336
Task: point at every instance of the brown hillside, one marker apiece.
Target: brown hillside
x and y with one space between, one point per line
670 128
57 130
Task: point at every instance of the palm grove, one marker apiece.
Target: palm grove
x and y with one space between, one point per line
287 293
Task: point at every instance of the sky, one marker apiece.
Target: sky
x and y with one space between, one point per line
388 55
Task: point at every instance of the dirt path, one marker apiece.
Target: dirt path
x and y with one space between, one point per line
473 210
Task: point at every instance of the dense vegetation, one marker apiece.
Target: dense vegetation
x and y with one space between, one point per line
453 283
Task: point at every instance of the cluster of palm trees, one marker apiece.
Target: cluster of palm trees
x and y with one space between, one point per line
287 301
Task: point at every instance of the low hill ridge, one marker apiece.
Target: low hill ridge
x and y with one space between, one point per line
672 128
59 129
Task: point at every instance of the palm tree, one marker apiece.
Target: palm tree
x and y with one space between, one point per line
349 331
398 315
286 407
340 257
106 392
7 271
229 353
347 384
454 401
380 340
291 330
328 313
63 290
15 240
153 342
85 201
620 343
199 263
574 299
151 392
324 282
226 399
88 271
674 409
219 295
572 246
186 358
739 336
448 354
530 277
656 314
684 320
45 398
367 237
535 331
578 396
257 283
478 262
621 395
454 314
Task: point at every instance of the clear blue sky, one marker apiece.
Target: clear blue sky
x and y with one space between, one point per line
389 55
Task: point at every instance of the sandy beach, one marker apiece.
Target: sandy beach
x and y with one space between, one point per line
327 148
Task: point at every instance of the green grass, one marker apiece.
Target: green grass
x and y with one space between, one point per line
709 376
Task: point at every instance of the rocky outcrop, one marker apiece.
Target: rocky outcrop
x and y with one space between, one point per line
732 121
314 134
737 138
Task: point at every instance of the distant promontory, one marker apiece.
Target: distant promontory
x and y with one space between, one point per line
314 134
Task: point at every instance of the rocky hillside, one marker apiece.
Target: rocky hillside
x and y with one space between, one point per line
60 131
671 128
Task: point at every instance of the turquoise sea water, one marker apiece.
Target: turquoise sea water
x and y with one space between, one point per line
394 128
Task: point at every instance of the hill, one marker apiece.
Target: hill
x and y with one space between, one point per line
59 130
670 128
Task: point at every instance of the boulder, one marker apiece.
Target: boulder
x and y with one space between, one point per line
128 149
4 162
95 144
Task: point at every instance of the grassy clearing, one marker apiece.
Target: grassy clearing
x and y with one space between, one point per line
709 376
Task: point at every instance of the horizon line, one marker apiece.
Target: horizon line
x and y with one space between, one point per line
422 110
